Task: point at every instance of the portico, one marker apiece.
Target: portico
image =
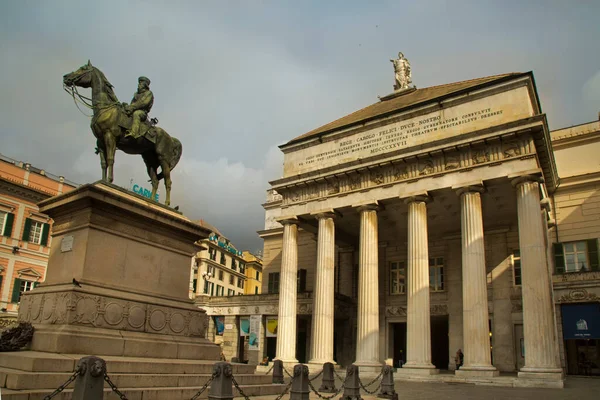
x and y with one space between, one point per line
414 207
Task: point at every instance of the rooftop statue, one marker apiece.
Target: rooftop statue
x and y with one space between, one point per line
125 126
402 72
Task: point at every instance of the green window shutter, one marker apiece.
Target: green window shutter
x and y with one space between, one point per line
1 280
592 246
16 291
45 232
26 229
8 224
35 284
559 259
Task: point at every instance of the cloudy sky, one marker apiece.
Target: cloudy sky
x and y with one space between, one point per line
235 79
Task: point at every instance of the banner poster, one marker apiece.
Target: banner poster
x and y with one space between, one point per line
255 321
271 326
219 325
244 326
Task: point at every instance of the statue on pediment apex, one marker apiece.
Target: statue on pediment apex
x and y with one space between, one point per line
403 75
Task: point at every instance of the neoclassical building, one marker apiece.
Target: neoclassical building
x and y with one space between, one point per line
434 220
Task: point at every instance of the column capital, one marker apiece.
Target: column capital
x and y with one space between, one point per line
423 197
327 213
517 180
289 220
473 187
368 205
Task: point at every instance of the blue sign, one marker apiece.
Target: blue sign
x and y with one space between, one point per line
581 321
144 192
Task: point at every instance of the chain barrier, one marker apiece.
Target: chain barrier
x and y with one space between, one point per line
114 387
287 373
239 389
287 388
203 388
316 376
64 385
270 369
339 376
325 397
364 387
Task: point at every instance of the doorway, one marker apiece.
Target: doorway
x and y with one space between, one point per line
440 347
399 340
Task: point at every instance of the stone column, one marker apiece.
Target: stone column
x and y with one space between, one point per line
477 357
418 324
538 312
321 349
367 338
286 326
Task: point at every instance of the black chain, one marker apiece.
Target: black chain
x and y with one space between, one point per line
325 397
203 388
239 389
287 388
64 385
270 369
114 387
287 373
316 376
370 383
338 376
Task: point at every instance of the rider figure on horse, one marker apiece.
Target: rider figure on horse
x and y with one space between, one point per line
140 106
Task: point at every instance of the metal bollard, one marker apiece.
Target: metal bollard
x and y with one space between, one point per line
328 380
278 371
387 384
300 390
89 384
221 385
351 384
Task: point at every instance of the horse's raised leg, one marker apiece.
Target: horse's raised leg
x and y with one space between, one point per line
111 148
154 179
164 165
101 153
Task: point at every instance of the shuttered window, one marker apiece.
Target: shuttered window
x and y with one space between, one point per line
273 287
580 256
6 223
21 286
36 232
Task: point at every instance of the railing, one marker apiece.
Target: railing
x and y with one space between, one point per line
91 373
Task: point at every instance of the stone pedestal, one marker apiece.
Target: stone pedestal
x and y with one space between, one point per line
286 329
117 279
418 334
477 360
321 349
367 338
541 361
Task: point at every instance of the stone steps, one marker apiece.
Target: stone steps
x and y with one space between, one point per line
149 393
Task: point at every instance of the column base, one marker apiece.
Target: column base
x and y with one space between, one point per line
369 367
541 373
418 369
317 366
476 371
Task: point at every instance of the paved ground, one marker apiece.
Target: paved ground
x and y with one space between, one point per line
576 388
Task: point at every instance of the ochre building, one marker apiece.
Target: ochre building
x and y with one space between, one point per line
434 220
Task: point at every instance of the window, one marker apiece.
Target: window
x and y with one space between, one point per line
35 232
21 286
6 223
240 283
257 276
231 279
230 292
436 274
517 267
397 277
242 268
222 261
220 290
233 265
195 284
578 256
2 221
301 280
212 253
256 290
273 287
220 275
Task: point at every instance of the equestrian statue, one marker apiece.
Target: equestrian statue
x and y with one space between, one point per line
126 127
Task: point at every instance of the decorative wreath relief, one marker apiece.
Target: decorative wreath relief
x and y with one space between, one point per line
16 338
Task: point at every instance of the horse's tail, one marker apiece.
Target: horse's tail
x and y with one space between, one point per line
176 150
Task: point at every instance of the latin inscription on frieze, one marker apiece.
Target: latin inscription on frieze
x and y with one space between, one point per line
468 117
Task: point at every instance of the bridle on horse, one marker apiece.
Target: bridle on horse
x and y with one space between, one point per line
86 101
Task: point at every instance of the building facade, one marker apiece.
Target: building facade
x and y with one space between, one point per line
434 220
253 273
218 269
25 232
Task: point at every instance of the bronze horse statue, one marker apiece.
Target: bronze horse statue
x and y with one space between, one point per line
157 148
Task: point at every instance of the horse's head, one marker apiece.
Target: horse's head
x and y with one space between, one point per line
81 77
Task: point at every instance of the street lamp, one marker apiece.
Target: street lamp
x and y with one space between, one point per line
206 276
